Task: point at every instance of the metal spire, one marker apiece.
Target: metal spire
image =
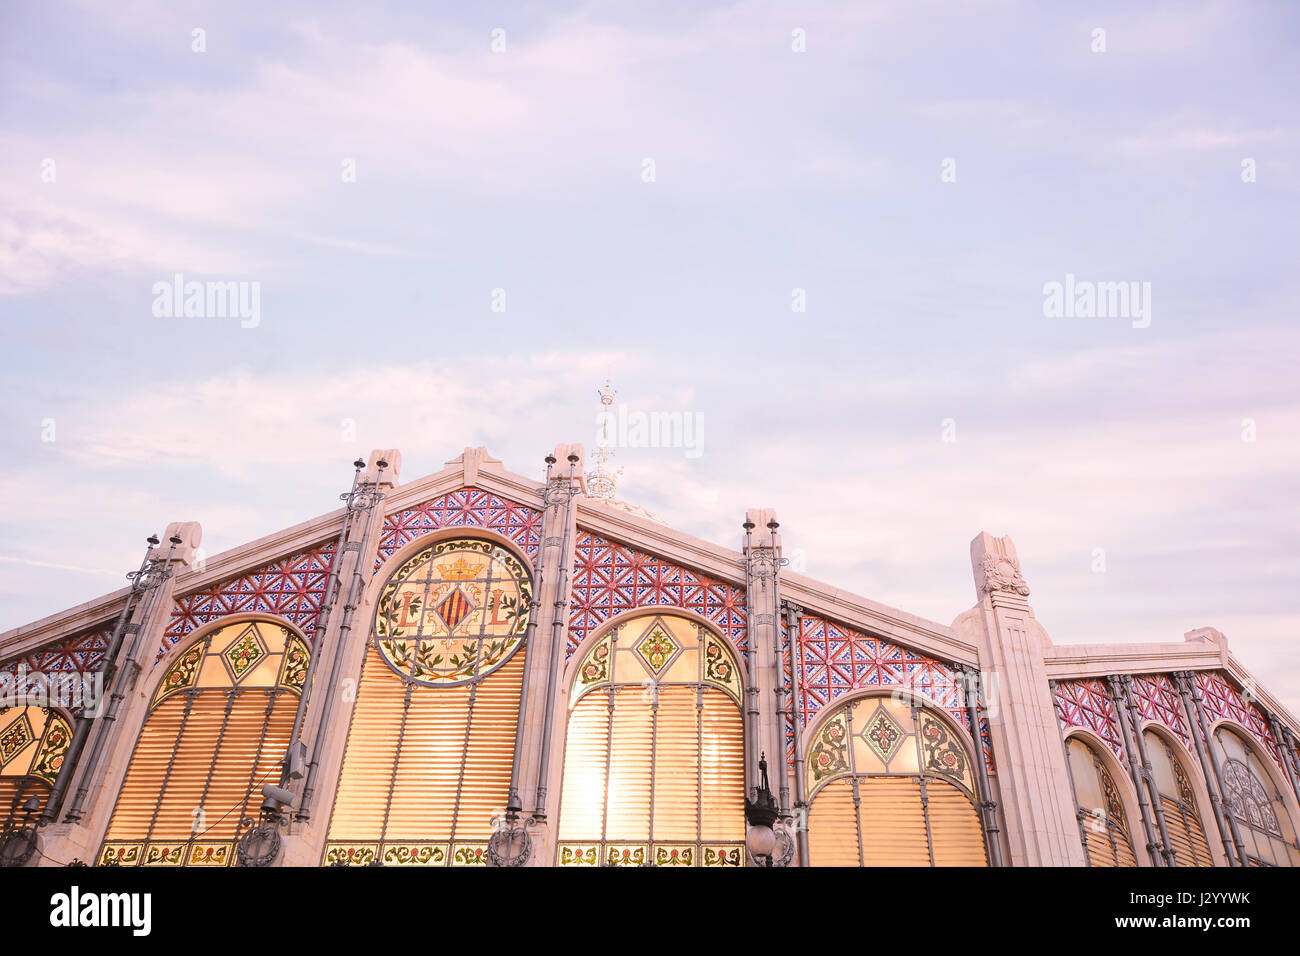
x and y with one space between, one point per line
601 482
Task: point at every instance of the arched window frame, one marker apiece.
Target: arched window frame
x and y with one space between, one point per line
34 738
187 671
720 669
951 742
1192 799
1117 793
340 850
1282 805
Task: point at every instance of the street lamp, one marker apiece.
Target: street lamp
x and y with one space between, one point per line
760 814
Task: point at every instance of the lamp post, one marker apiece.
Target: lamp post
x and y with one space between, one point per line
760 813
18 840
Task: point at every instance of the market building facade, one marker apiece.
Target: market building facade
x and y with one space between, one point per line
474 668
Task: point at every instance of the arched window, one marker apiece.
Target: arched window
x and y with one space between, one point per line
1178 803
1107 840
890 785
429 751
1262 819
654 755
33 741
218 728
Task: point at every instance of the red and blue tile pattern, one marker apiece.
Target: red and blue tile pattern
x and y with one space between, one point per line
465 508
292 588
838 659
610 579
1086 704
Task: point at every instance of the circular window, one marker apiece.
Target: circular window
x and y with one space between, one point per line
454 612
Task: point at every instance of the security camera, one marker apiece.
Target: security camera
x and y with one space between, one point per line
278 794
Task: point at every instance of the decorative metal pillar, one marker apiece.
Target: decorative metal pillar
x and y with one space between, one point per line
988 806
1287 753
120 671
514 805
1181 679
1291 749
794 632
558 491
762 565
1195 692
1154 847
511 843
292 768
766 718
363 499
1135 721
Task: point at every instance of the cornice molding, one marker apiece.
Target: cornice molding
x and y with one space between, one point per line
836 604
1068 661
87 616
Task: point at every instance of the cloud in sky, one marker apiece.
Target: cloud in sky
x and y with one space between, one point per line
775 170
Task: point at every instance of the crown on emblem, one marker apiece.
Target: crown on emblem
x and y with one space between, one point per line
460 571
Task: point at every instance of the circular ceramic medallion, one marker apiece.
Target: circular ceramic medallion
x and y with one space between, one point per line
454 612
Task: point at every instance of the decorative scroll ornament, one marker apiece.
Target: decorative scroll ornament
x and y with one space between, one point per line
1002 573
17 845
261 845
510 843
784 854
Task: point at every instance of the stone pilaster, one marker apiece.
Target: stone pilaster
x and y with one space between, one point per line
1033 781
342 633
115 723
762 549
546 707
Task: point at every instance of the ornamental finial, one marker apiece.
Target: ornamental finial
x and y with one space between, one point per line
601 481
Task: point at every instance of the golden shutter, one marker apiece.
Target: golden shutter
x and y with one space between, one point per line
677 766
183 793
582 799
242 766
443 777
722 763
144 776
833 827
1124 847
893 822
1100 851
371 750
31 787
629 767
665 767
428 765
170 738
955 829
232 784
1186 836
486 785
